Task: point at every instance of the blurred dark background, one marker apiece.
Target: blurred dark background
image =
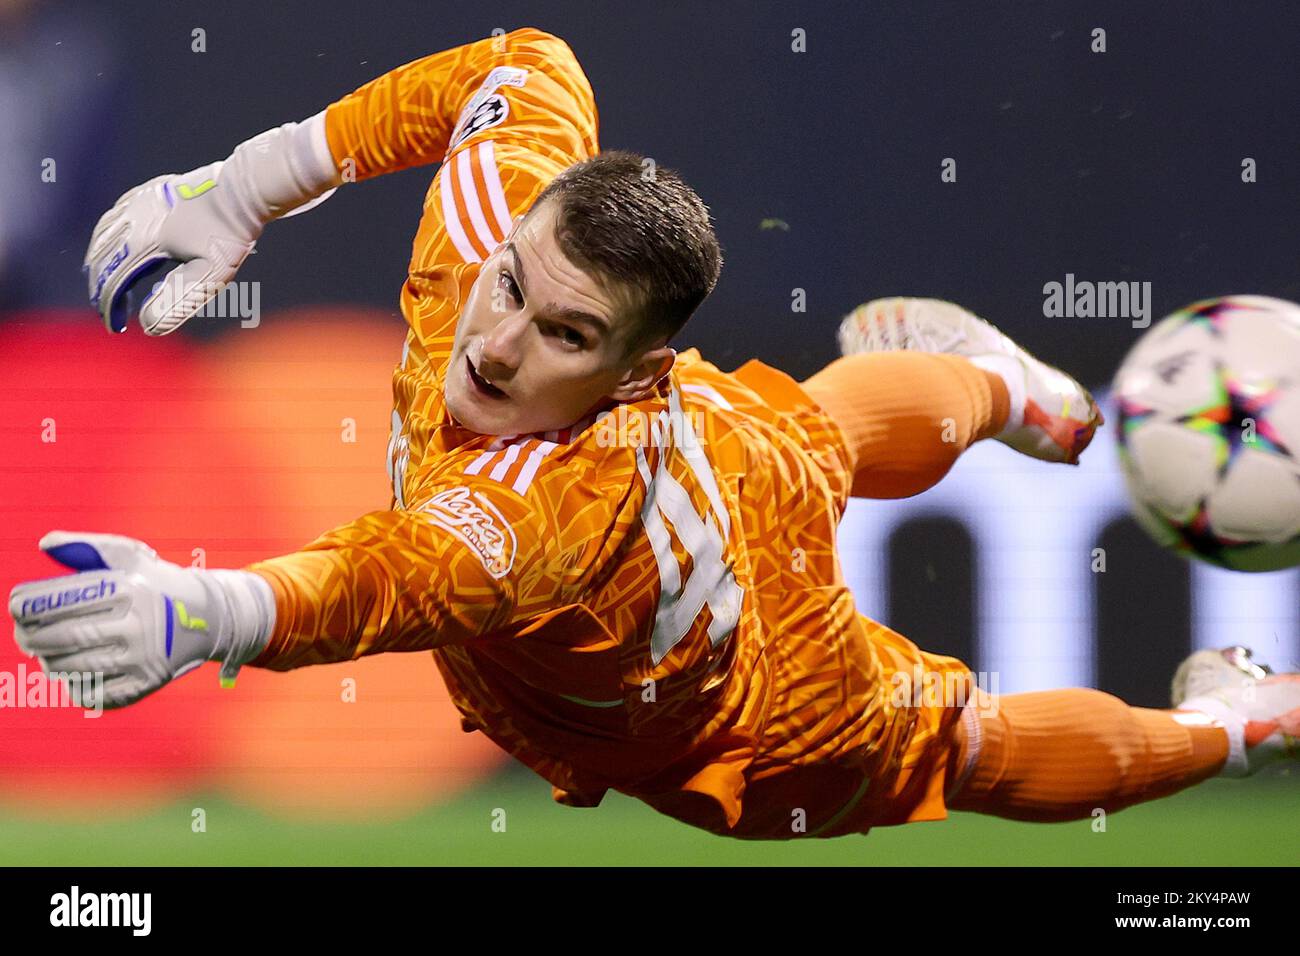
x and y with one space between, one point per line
1123 165
1117 166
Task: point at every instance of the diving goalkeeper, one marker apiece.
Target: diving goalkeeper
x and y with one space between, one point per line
621 558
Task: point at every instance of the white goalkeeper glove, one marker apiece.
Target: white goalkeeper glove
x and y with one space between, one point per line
135 619
194 230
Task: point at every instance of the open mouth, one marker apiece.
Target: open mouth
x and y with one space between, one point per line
481 385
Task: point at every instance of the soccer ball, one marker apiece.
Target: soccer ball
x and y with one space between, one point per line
1209 431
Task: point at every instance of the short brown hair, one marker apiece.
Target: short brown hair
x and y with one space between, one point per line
639 224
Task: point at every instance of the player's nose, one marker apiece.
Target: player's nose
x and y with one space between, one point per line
503 343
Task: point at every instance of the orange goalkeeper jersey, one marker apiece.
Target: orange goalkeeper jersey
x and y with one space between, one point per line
649 601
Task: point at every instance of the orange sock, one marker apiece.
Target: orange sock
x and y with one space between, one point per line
1061 754
907 416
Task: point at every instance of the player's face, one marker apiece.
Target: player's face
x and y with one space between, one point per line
540 343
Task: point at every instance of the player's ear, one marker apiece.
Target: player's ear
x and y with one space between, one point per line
642 377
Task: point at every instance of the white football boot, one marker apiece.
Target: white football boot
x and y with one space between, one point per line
1259 709
1052 416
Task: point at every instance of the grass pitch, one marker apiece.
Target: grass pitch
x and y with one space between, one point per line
1218 823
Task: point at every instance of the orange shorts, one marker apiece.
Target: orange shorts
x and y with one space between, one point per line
899 777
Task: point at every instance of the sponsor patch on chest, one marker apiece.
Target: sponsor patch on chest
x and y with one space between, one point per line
473 519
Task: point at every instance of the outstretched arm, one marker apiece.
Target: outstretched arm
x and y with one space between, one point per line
473 557
466 561
179 238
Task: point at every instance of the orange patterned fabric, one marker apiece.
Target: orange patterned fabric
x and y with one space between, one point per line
649 601
1055 755
908 416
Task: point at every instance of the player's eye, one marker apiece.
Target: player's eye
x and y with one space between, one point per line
509 285
569 336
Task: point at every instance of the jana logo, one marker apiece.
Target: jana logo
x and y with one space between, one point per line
477 522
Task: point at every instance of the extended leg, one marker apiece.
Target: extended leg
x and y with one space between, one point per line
1063 754
1051 416
907 416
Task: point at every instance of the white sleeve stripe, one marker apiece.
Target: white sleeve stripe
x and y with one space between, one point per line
451 218
709 392
530 466
487 162
469 198
503 465
480 462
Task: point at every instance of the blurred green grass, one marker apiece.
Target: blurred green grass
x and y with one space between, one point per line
1219 823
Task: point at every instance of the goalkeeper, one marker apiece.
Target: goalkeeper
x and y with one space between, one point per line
621 558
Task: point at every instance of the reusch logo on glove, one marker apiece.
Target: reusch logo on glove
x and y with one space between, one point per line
52 602
107 271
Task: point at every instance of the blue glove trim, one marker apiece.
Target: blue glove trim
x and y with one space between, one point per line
122 307
79 556
167 609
